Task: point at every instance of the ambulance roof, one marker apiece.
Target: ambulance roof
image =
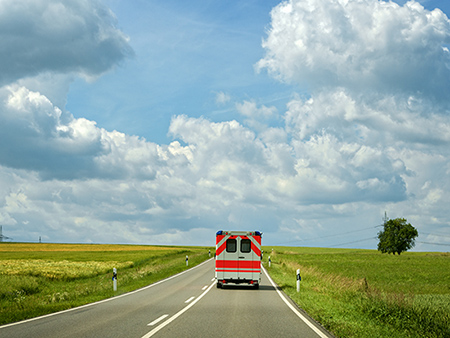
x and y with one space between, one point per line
239 233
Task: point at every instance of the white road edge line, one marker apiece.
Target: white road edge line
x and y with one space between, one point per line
188 300
156 321
306 320
178 314
104 300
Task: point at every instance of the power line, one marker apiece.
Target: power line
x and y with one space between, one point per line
361 240
442 244
328 236
440 235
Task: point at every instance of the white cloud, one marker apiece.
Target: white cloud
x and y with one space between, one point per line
250 110
356 44
387 119
257 118
367 138
58 36
222 98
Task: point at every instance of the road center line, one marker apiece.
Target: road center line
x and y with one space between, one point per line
188 300
156 321
178 314
307 322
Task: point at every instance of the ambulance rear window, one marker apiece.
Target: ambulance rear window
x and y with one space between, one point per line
246 245
231 245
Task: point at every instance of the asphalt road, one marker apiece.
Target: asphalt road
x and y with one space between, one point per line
185 305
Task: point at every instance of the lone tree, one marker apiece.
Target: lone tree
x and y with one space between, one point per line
397 236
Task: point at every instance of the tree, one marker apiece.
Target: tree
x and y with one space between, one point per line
397 236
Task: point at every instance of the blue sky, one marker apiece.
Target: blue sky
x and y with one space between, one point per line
162 122
185 55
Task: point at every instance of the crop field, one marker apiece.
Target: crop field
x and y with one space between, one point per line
363 293
37 279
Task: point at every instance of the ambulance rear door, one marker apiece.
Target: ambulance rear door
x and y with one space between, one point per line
246 263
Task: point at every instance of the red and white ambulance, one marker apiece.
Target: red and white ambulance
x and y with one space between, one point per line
238 257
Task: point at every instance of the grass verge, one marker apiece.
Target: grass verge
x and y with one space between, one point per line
37 279
362 293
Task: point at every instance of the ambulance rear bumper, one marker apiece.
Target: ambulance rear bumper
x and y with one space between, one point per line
238 281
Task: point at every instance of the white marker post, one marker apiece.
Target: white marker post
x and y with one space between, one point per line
269 261
298 280
114 279
209 253
187 261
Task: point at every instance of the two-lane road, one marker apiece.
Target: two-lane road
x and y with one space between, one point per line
185 305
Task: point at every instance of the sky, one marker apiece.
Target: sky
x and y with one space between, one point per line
149 122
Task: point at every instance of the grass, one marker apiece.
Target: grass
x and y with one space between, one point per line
353 293
36 279
363 293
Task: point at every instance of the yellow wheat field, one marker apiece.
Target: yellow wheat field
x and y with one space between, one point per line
14 261
57 269
10 247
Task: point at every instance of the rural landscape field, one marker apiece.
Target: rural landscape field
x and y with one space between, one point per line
363 293
352 293
36 279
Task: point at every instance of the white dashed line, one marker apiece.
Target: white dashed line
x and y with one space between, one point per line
156 321
104 300
178 314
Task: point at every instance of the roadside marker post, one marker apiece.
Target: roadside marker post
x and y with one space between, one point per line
269 261
187 261
114 278
209 253
298 280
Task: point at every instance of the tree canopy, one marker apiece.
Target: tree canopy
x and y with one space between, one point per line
397 236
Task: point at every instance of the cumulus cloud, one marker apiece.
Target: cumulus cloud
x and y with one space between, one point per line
387 120
256 117
375 123
44 45
250 110
373 44
58 36
368 136
39 136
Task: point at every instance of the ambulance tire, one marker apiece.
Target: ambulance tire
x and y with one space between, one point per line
256 286
219 285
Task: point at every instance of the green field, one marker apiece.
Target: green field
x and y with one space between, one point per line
353 293
36 279
363 293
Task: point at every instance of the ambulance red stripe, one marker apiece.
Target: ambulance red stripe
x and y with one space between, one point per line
221 248
239 270
241 264
256 250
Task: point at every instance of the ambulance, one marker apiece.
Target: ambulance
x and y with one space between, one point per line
238 257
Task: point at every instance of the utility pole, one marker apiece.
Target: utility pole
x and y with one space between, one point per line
1 234
385 219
